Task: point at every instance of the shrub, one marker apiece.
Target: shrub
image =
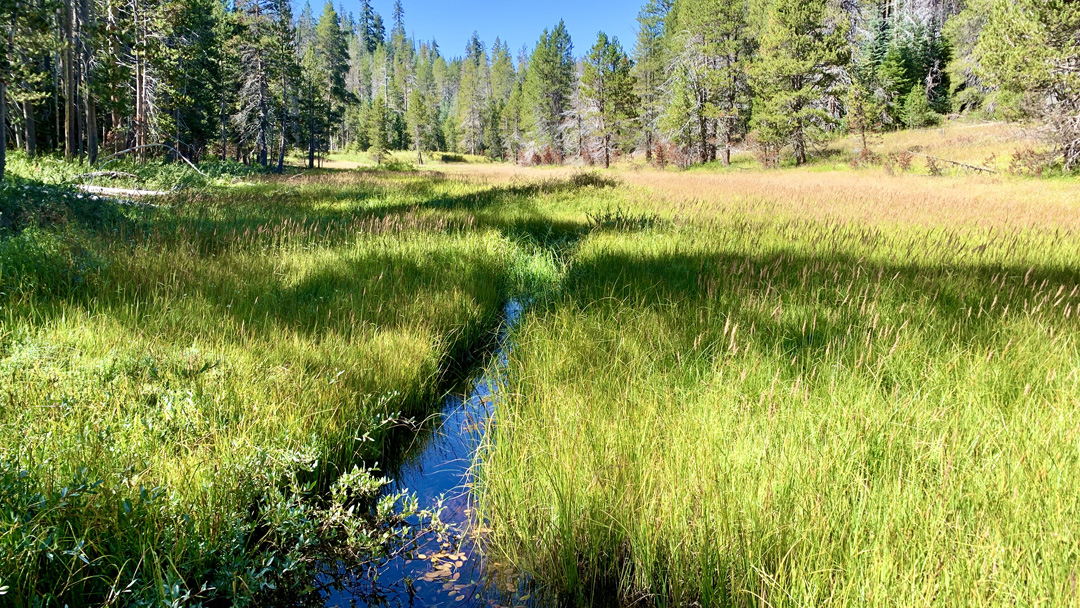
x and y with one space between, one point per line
1031 162
917 112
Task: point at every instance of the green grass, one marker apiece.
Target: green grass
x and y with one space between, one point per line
780 412
728 401
181 382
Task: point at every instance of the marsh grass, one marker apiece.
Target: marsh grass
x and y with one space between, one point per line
782 388
184 387
752 408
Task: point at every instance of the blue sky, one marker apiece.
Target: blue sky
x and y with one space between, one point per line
519 23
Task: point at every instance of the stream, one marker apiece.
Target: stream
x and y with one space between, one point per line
448 569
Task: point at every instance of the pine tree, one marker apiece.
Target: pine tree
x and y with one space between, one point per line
710 54
305 29
398 41
803 49
607 86
473 96
253 120
549 85
504 81
1043 69
917 112
189 77
368 25
418 121
377 130
650 67
310 101
283 59
229 31
332 52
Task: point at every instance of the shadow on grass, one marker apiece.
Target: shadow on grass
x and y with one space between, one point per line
813 289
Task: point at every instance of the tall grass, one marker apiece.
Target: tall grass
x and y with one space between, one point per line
761 409
180 382
784 389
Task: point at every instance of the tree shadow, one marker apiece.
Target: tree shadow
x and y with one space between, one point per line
815 300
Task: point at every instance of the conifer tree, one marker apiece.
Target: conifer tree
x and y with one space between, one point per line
332 52
310 96
377 130
1043 69
649 68
473 96
255 112
710 50
549 85
803 50
286 68
607 86
418 121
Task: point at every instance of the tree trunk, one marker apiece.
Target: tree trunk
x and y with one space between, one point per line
114 130
311 144
31 135
140 87
86 55
91 129
284 123
703 136
3 118
726 158
57 134
71 126
263 137
80 117
5 69
799 144
176 133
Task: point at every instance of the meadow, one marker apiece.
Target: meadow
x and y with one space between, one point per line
187 382
820 386
799 388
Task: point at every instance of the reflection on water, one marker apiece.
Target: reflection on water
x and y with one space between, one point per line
447 569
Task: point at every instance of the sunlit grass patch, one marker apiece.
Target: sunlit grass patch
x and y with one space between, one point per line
798 413
225 356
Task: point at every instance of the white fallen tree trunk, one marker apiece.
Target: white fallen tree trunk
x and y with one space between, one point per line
104 191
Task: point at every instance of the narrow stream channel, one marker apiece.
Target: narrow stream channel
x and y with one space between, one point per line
451 570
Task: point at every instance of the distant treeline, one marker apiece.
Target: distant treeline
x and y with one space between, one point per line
245 79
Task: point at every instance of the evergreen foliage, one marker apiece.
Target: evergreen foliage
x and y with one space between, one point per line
548 87
1043 70
796 79
249 80
607 87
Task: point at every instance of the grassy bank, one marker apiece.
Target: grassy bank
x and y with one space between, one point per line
781 388
802 402
179 380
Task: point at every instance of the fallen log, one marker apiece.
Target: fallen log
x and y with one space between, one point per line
953 162
113 192
167 147
108 174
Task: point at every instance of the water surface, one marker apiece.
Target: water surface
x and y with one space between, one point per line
449 569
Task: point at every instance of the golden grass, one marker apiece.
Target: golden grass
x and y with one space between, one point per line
868 196
987 144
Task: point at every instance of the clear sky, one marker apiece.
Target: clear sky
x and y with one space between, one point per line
451 22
